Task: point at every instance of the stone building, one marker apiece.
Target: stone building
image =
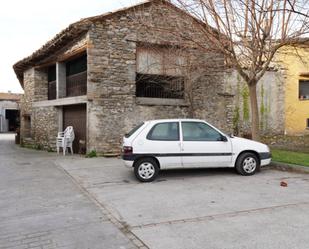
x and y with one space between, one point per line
9 112
107 73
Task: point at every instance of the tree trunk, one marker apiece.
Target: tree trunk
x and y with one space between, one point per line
255 128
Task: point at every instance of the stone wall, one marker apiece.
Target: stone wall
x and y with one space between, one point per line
113 108
45 127
26 104
43 121
271 101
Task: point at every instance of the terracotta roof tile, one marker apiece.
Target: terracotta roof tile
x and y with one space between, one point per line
10 96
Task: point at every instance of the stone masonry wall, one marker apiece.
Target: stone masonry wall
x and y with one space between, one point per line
271 101
113 109
26 102
45 127
44 120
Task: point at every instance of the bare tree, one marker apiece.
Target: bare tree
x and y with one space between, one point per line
249 33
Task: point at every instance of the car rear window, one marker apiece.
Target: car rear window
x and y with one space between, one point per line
168 131
131 132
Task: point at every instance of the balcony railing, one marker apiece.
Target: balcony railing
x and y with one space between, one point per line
76 84
159 86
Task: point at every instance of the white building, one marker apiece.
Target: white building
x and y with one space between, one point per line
9 112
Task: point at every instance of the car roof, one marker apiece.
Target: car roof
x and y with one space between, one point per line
175 120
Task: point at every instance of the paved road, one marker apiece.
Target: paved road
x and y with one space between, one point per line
42 207
53 201
201 209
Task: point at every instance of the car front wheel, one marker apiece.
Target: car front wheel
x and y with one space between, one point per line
247 164
146 169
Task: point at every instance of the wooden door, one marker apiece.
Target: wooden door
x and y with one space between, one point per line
75 115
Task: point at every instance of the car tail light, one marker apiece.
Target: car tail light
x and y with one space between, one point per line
127 150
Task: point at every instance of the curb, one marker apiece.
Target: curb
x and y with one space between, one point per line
289 167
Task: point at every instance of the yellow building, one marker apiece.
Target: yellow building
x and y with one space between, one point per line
296 62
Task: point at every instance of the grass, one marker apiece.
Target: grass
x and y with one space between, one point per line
291 157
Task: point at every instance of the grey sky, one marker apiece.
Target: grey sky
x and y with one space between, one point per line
26 25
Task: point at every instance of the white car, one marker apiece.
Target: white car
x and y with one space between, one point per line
188 143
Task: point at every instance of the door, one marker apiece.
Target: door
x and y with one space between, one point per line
163 142
204 146
75 115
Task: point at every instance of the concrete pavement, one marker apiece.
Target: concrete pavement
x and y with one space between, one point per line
50 201
198 209
41 207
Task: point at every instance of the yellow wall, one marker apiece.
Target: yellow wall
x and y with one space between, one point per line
296 110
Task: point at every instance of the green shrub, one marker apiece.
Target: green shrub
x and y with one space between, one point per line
91 154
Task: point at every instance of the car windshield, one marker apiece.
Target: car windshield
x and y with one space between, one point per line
131 132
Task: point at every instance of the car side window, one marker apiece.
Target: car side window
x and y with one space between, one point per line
168 131
198 131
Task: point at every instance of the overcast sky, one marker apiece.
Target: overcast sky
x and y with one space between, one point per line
26 25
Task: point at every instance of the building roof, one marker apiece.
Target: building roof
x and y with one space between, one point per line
10 96
72 32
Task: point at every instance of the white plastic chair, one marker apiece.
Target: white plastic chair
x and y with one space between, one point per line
65 140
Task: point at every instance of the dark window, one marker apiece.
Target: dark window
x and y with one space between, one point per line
130 133
159 86
52 73
197 131
165 132
76 81
304 89
77 65
307 122
52 82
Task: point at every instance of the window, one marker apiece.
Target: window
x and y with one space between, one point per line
307 123
76 80
304 89
197 131
159 86
130 133
164 132
52 82
77 65
159 72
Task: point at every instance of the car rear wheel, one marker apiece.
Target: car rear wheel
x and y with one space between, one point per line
146 169
247 164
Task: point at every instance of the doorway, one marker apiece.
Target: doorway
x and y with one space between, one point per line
75 115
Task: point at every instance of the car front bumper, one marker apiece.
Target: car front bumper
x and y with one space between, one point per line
265 158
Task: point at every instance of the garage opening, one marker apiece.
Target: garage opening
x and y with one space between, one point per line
13 119
75 115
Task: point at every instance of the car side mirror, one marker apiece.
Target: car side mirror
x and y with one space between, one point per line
224 138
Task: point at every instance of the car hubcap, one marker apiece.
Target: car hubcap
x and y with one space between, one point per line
249 165
146 170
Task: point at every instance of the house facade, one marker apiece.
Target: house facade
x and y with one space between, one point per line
283 97
9 112
103 75
295 60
